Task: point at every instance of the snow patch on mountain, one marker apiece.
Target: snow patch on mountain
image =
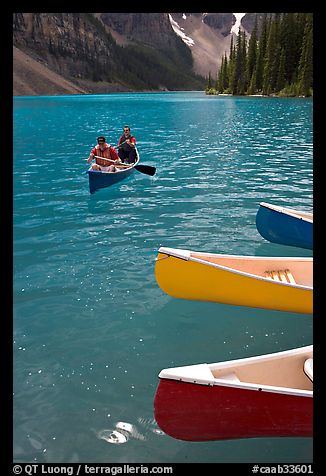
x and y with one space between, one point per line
236 26
178 30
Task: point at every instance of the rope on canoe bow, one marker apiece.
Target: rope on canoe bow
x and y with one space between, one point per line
163 257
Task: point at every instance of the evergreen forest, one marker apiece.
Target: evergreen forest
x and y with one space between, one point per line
276 60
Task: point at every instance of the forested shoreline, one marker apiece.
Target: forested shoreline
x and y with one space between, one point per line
277 60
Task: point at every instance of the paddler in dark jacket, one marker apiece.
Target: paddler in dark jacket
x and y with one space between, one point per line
127 147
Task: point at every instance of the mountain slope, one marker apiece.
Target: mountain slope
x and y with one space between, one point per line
208 36
80 47
59 53
33 78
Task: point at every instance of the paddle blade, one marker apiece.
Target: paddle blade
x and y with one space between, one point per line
146 169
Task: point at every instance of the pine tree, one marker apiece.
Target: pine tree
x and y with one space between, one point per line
280 82
225 83
231 68
209 85
261 54
221 73
288 40
252 85
238 85
244 77
271 58
305 70
252 58
279 61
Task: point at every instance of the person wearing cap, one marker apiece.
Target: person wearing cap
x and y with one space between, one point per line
102 149
127 147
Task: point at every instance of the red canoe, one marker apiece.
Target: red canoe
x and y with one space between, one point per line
263 396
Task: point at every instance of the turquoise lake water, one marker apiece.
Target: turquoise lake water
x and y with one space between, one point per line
92 329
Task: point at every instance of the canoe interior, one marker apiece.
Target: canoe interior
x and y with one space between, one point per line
280 371
300 269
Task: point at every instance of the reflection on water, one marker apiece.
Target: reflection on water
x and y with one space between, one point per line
114 436
123 431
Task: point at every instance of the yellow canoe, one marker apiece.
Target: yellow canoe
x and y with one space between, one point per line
278 283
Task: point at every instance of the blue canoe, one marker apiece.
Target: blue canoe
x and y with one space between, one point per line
99 179
285 226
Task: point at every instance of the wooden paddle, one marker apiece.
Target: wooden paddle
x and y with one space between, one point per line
144 169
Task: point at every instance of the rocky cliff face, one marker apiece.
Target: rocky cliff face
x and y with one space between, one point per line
70 44
153 29
220 21
248 21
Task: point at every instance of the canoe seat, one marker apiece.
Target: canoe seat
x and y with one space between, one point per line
284 276
308 368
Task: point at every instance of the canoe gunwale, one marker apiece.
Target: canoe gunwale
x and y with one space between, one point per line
188 257
288 211
220 382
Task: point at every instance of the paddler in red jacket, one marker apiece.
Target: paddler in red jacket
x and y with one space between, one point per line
102 149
